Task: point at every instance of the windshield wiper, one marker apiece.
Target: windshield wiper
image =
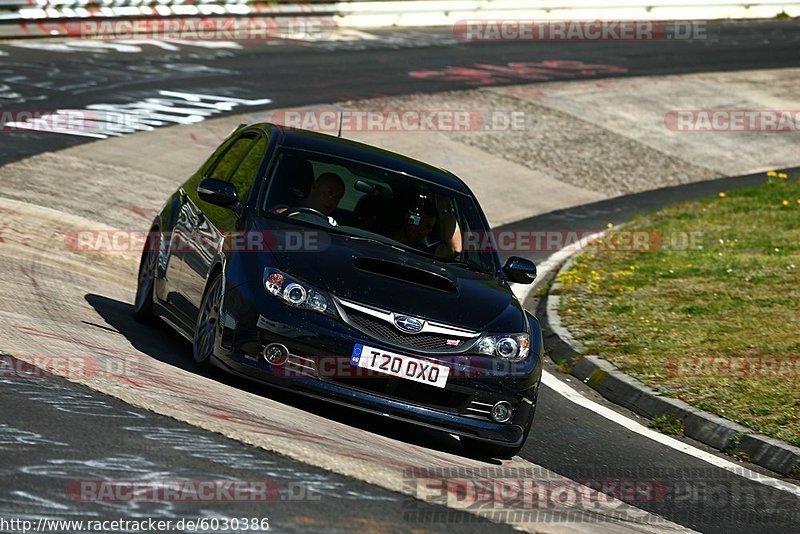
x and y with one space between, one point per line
372 240
468 265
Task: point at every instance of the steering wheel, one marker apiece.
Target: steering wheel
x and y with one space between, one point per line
305 209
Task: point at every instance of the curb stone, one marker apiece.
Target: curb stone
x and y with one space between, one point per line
630 393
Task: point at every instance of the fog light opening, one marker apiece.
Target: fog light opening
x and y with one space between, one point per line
275 354
502 412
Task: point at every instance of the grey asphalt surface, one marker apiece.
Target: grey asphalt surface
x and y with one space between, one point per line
56 435
576 443
303 73
566 439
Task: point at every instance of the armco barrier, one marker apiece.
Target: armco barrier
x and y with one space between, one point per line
448 12
60 17
389 13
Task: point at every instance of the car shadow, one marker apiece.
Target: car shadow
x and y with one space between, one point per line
163 344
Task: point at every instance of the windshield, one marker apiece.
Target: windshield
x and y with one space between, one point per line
365 201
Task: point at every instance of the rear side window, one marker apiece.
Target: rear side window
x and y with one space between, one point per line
230 160
247 171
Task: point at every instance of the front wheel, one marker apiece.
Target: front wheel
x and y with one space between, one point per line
206 328
145 285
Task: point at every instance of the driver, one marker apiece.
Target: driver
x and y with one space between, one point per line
324 196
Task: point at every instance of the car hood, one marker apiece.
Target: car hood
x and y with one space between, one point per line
390 278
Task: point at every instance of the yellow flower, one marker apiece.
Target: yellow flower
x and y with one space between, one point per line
610 225
798 200
772 174
722 195
785 202
783 176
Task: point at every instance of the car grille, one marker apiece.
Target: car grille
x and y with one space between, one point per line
480 408
300 365
424 341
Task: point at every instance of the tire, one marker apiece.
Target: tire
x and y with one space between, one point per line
145 285
205 331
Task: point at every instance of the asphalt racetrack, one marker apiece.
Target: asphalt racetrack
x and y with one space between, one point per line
333 469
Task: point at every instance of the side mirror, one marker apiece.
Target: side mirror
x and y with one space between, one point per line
520 270
217 192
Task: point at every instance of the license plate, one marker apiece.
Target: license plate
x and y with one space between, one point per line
407 367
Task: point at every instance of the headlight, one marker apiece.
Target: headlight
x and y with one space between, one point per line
296 293
510 347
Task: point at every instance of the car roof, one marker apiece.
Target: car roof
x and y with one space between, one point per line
349 149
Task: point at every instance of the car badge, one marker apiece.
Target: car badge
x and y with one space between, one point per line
410 325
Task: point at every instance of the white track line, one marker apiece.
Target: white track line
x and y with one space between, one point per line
573 395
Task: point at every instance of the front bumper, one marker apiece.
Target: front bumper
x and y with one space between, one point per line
319 366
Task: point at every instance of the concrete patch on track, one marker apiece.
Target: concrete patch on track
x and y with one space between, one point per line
583 154
613 136
634 109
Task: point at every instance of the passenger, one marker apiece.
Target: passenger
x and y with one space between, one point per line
418 223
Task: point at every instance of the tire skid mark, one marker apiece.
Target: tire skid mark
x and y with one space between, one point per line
67 339
28 275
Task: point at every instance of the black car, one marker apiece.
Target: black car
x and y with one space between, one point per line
338 270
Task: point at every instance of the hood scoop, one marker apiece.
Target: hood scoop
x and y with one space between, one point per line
404 273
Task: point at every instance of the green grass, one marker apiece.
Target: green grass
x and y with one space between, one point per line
668 424
731 292
734 450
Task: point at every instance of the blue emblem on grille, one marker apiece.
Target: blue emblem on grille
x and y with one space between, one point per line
411 325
